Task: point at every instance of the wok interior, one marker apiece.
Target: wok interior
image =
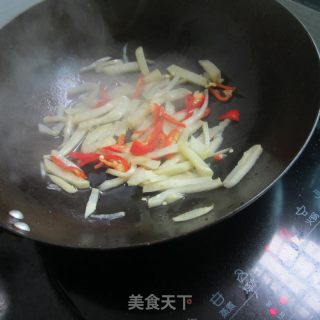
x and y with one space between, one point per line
261 49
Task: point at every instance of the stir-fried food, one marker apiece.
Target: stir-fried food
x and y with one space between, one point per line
153 134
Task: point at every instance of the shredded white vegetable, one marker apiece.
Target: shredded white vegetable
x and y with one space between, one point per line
211 69
92 202
195 213
85 87
152 132
142 61
109 217
64 185
244 165
76 181
187 75
112 183
121 68
73 142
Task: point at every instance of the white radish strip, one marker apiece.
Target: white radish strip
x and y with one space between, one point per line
224 151
173 183
212 149
167 127
154 88
66 161
163 152
90 114
92 202
167 88
100 66
108 217
170 108
218 130
142 61
58 127
112 183
46 130
143 176
134 105
137 118
196 213
91 66
147 122
244 165
197 146
197 114
174 95
211 69
79 107
96 134
187 132
76 181
68 130
165 195
187 75
145 162
124 89
206 137
121 68
102 142
115 114
153 76
85 87
64 185
175 169
164 198
54 119
202 168
124 53
73 142
121 174
120 127
175 159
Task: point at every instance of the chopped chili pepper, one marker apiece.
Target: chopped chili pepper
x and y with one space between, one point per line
113 148
104 98
75 170
223 95
115 161
84 158
173 120
159 112
139 148
194 101
139 88
162 140
121 139
218 157
222 86
233 115
223 98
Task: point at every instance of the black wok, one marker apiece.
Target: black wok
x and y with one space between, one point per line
261 48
